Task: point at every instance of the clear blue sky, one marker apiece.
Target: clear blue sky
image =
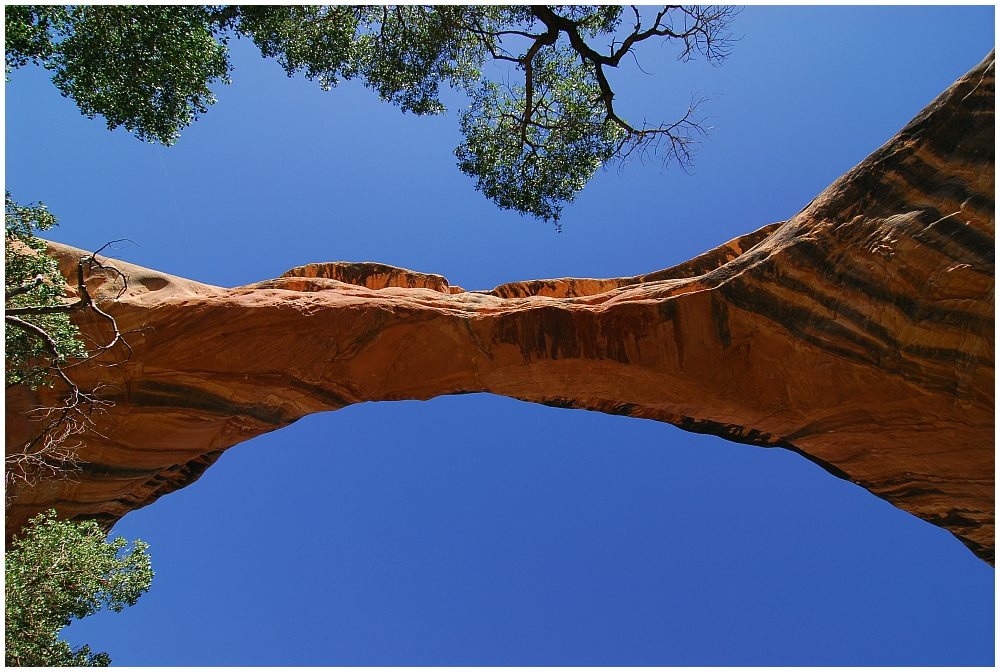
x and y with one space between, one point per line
480 530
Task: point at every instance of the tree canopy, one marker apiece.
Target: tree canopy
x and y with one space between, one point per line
538 127
60 570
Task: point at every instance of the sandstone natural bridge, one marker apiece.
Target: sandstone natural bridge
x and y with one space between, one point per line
859 333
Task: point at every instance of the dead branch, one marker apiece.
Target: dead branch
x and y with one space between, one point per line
699 28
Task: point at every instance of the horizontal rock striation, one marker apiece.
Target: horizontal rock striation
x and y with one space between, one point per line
859 333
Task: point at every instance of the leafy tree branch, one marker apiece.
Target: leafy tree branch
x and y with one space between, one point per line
529 147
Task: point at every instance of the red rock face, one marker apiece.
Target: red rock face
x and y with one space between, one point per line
859 333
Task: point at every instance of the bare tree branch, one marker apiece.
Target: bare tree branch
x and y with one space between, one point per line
549 37
701 28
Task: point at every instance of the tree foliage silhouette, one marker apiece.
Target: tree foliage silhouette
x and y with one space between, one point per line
542 117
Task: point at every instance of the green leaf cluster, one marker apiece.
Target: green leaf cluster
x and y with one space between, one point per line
29 32
535 163
61 570
32 280
413 52
145 68
318 40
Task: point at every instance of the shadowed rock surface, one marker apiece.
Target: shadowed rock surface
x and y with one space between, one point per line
859 333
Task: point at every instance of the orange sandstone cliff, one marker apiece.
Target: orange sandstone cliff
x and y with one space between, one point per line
859 334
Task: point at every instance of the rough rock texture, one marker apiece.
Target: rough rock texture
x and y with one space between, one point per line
859 333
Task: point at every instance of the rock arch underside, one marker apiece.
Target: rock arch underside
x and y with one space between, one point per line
859 333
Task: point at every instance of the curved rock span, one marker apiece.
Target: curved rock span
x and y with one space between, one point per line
859 333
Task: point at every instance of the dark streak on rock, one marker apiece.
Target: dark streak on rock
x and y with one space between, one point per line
832 337
842 275
956 240
155 394
720 316
552 332
96 470
954 518
826 334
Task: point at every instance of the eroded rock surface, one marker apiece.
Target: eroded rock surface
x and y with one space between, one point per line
858 333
